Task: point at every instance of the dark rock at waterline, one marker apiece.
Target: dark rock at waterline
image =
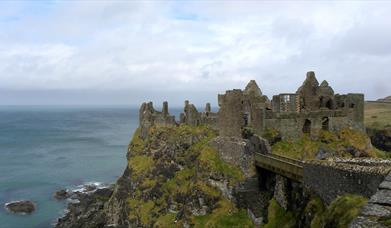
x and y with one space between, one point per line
89 187
381 138
89 203
62 194
21 207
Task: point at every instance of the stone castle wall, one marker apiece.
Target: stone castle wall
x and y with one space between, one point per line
312 108
330 179
149 117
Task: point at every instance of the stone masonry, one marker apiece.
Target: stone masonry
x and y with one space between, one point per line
311 108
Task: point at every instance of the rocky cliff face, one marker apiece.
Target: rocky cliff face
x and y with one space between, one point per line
173 178
190 177
381 138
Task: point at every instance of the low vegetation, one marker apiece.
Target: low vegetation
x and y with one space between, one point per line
377 115
278 217
340 213
224 215
346 143
170 172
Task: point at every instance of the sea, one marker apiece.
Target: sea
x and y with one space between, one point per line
47 148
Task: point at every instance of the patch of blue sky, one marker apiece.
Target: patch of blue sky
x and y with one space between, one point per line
180 11
17 10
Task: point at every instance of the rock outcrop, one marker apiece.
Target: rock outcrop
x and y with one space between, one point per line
381 138
174 177
21 207
377 213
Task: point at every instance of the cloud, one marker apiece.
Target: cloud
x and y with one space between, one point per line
176 48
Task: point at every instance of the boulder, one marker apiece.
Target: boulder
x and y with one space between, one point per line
21 207
62 194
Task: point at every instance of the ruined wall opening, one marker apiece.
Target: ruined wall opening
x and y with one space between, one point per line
246 118
321 102
266 179
325 124
307 126
329 104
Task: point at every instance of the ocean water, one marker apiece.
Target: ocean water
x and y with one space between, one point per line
46 148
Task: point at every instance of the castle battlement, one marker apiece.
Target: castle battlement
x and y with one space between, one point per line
311 108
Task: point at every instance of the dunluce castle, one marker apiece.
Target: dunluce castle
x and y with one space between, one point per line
312 108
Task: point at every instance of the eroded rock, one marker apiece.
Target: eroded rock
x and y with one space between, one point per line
21 207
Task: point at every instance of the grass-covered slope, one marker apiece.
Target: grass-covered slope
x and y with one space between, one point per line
377 115
170 172
346 143
339 213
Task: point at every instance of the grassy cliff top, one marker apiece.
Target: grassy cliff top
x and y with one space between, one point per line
347 143
170 173
377 115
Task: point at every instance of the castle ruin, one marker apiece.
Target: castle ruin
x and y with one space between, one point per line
309 110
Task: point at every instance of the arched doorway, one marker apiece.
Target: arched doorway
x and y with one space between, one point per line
307 126
325 123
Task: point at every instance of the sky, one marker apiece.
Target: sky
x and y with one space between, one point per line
127 52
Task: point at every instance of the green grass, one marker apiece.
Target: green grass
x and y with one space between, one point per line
377 115
343 210
306 148
278 217
166 220
198 161
140 165
137 144
225 215
210 158
339 213
316 209
181 183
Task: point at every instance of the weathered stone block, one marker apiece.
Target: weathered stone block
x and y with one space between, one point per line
382 197
385 185
377 210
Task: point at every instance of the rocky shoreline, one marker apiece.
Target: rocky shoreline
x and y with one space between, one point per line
83 203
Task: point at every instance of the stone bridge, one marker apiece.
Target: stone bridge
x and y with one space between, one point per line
284 166
329 178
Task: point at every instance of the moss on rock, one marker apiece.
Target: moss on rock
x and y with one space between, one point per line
224 215
170 173
346 143
343 210
278 217
210 159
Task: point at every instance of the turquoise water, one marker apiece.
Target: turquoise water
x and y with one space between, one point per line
43 149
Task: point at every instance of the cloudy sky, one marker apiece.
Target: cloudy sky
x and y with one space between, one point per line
113 52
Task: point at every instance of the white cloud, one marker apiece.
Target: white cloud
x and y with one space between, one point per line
206 46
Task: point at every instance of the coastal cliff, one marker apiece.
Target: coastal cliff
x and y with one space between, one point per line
187 177
217 169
